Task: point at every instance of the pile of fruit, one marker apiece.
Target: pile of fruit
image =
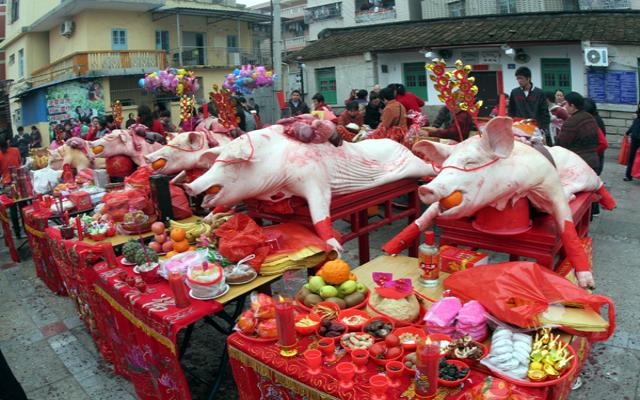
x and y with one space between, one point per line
192 230
171 244
259 320
334 283
388 349
331 329
133 252
356 340
451 372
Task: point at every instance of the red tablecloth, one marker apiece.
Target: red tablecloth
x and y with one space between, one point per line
141 329
5 202
261 373
36 221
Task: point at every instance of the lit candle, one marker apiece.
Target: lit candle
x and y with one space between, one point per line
79 228
427 364
285 323
180 294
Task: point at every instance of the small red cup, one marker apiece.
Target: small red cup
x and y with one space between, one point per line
379 385
328 347
313 358
394 369
360 358
346 371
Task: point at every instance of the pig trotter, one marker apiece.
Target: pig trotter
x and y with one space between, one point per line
606 200
336 139
575 252
325 230
402 240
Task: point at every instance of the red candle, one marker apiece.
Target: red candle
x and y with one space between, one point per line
285 322
205 110
176 282
427 364
502 106
79 228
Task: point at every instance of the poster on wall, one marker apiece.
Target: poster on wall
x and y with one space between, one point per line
75 100
615 87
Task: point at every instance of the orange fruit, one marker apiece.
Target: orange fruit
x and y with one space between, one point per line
171 254
159 163
178 234
452 200
192 248
181 246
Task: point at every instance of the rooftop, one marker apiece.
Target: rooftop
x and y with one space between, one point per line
598 26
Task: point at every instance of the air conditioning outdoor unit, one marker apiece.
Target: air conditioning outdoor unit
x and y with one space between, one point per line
67 28
596 57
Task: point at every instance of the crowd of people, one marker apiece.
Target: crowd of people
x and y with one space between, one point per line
568 120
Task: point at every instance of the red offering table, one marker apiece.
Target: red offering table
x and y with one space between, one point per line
36 221
261 373
352 207
141 329
5 202
541 242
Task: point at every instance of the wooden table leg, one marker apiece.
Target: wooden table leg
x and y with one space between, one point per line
363 239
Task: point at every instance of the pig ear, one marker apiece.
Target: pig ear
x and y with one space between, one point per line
124 137
498 136
195 140
432 151
207 158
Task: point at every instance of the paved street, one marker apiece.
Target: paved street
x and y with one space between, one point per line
53 356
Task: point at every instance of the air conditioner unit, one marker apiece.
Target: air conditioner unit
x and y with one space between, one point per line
596 57
67 28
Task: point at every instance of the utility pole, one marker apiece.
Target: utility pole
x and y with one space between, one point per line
276 40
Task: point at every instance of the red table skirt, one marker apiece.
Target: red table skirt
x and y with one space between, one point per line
261 373
141 329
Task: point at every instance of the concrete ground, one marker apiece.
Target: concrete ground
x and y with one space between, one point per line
53 357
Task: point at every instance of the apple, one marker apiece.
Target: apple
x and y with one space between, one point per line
167 246
155 246
160 237
158 227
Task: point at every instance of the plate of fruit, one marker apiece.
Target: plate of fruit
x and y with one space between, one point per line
333 283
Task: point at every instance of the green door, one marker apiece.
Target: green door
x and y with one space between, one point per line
326 84
556 74
415 79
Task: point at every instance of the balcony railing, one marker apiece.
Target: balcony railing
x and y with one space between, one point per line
294 43
98 62
375 15
219 56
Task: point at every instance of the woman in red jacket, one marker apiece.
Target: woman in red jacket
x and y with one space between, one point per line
409 100
9 157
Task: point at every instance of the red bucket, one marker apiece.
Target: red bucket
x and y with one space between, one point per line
513 220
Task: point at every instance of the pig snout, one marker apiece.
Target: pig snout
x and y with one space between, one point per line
428 195
303 132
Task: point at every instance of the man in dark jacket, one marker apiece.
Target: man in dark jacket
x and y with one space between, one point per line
580 132
529 102
22 141
296 106
634 133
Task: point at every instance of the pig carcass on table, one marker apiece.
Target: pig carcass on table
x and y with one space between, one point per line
184 152
75 152
124 142
268 164
494 169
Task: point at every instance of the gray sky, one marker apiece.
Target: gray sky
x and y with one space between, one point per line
250 2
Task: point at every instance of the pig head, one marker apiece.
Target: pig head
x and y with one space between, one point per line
267 164
75 152
184 152
122 142
492 170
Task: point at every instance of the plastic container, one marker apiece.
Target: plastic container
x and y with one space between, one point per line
307 330
460 365
350 313
413 330
384 361
385 319
513 220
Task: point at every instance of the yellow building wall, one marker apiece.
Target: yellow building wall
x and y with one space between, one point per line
29 13
36 55
93 33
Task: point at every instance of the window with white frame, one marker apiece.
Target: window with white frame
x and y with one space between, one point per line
21 63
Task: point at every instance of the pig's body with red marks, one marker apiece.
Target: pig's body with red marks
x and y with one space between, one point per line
267 164
184 152
121 142
493 170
